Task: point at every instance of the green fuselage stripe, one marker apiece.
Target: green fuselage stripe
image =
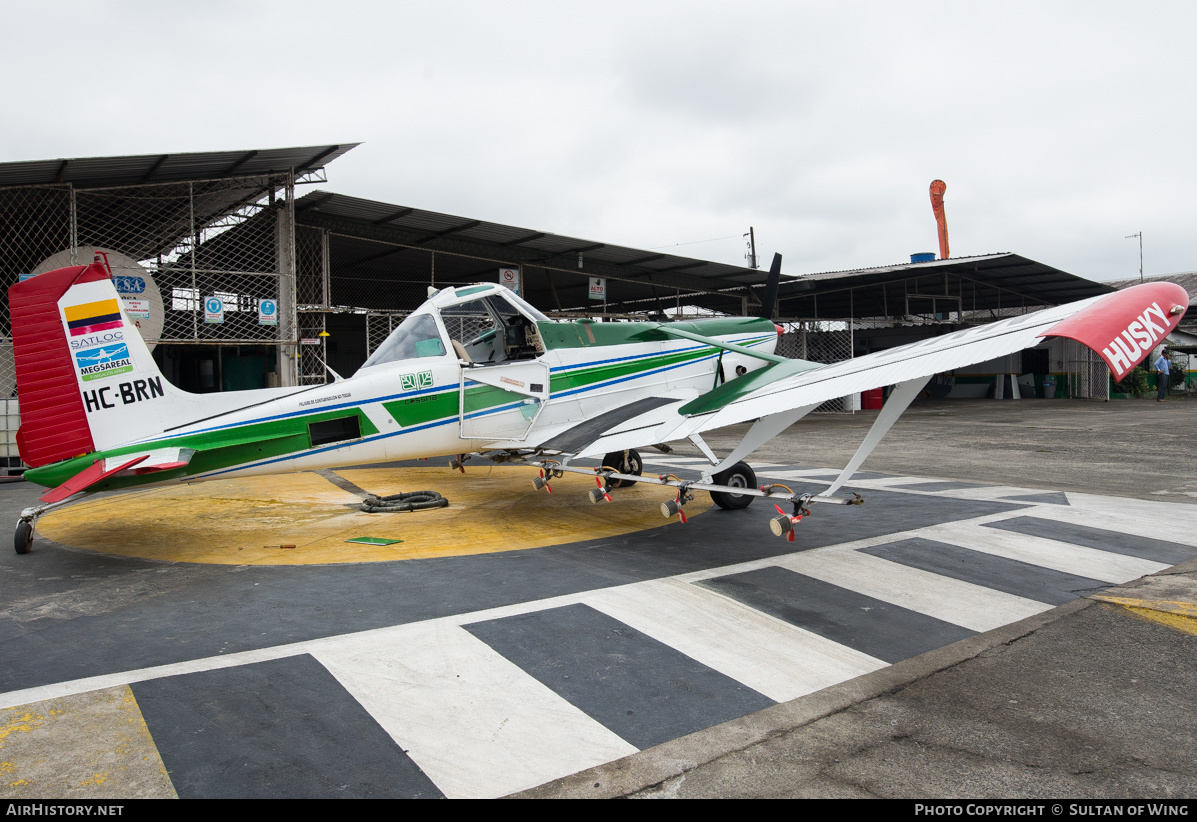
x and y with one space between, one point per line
252 442
214 449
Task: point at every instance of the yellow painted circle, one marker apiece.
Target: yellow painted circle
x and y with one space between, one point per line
243 521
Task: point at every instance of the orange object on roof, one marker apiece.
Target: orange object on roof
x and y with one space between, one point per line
938 187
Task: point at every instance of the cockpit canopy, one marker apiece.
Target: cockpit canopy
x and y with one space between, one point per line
480 324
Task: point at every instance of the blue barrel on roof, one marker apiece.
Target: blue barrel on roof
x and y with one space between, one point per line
923 257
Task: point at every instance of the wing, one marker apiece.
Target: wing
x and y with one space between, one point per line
1122 328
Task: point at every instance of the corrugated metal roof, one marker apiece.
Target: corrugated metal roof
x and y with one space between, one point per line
94 172
984 282
1186 280
644 280
511 244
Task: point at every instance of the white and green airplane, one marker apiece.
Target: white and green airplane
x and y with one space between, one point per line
478 371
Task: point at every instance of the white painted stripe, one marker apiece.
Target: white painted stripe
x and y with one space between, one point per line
475 723
212 663
770 656
1046 553
952 600
1133 516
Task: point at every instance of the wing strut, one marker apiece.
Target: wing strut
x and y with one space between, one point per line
704 448
763 430
898 401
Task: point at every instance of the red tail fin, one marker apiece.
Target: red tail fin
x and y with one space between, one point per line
53 419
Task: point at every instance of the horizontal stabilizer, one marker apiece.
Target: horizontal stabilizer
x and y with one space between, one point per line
89 476
160 459
148 462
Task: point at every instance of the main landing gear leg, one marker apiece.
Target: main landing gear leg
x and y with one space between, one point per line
624 462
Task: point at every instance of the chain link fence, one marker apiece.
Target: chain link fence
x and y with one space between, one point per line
311 352
197 240
379 327
816 342
184 241
1182 362
192 260
1088 374
35 221
377 276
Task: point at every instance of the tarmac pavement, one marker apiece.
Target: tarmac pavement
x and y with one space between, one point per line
1089 700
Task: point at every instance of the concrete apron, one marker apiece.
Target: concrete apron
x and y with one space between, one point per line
1168 598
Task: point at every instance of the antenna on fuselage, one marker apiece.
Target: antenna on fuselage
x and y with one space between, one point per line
769 298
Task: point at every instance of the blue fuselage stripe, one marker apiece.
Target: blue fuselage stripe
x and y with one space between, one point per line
444 420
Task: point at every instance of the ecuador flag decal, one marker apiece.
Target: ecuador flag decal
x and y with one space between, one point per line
91 317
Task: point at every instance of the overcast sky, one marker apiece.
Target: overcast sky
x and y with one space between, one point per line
1058 127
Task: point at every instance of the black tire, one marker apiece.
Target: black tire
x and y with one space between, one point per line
738 476
23 541
634 465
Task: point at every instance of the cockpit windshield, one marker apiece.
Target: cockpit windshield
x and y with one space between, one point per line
417 336
526 307
493 328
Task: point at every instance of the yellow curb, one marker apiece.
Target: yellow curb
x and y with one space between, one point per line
1181 616
93 745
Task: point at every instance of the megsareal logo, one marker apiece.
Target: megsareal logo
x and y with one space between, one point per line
105 361
89 318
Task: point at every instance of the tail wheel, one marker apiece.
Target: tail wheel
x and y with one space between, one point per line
23 540
738 476
631 464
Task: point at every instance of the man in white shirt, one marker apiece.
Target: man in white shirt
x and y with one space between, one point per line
1163 369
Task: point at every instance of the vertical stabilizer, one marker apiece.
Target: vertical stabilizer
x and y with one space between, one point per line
85 379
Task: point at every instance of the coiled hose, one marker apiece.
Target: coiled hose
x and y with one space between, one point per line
411 501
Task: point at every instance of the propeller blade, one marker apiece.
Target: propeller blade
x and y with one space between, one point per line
769 298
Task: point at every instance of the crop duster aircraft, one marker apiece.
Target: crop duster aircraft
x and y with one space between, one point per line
477 370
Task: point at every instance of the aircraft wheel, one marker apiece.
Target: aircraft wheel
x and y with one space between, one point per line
23 541
738 476
634 465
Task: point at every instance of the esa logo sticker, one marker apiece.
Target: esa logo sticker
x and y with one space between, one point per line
105 361
412 382
129 285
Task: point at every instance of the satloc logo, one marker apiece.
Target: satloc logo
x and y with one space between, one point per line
1137 340
107 338
125 393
